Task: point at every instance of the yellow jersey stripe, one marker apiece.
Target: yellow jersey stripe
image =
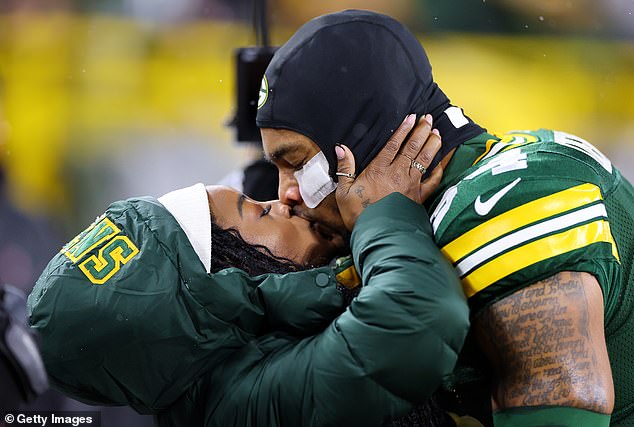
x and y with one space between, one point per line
488 145
520 216
507 142
530 233
534 252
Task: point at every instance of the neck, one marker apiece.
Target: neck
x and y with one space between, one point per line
455 128
445 160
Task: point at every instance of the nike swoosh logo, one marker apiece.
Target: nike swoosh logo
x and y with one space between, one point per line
483 208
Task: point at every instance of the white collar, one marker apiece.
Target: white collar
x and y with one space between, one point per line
190 207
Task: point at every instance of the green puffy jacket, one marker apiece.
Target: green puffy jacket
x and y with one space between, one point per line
391 347
129 316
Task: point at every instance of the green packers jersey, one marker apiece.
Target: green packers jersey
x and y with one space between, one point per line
516 210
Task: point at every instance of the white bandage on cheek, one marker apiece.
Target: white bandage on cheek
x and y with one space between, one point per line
313 180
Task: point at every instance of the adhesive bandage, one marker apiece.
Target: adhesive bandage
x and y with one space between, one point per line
313 180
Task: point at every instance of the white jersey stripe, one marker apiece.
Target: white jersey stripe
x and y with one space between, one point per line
491 250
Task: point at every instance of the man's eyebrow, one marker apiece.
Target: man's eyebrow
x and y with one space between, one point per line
280 152
241 200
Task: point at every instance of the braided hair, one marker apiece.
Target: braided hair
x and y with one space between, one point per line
229 249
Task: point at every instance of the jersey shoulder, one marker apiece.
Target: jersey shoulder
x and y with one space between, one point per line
530 205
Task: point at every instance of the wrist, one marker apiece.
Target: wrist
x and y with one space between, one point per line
563 416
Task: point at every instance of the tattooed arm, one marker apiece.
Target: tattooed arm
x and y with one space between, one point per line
547 347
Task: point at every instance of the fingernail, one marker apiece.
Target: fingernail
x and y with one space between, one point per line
339 152
436 131
410 119
429 118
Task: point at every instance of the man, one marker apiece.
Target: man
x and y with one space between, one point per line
537 223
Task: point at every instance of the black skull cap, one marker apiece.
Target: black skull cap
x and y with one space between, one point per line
351 77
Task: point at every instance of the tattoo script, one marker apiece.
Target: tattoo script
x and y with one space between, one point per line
538 339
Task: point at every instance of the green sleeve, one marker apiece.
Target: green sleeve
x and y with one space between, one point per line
540 416
144 335
390 348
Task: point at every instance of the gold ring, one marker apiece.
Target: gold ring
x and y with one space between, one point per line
422 169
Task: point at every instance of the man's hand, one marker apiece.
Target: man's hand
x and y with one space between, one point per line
397 168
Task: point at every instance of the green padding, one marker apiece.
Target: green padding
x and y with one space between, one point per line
549 416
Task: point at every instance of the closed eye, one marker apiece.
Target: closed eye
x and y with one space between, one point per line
300 165
265 211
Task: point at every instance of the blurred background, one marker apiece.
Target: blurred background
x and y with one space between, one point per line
104 100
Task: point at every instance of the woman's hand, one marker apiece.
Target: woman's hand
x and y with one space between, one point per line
399 167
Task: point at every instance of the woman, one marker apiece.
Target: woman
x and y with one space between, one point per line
156 306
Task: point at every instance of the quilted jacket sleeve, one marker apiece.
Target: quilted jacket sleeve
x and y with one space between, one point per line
390 348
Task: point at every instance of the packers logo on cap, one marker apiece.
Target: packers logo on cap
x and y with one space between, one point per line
264 92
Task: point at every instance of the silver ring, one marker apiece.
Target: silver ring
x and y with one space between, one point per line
347 175
422 169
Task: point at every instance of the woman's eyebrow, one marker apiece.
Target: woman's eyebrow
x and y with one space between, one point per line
240 202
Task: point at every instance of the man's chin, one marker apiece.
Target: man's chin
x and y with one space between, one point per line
335 232
341 244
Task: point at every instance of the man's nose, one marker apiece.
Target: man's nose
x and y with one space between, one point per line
288 191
